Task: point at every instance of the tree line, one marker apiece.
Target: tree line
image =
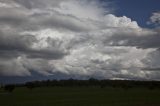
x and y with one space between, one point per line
125 84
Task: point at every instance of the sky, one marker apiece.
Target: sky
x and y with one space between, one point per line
60 39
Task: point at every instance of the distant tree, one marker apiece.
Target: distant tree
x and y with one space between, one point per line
47 83
9 88
125 84
93 81
30 85
1 86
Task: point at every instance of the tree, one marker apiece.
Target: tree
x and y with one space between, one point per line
30 85
9 88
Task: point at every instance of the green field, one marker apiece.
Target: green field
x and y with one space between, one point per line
80 96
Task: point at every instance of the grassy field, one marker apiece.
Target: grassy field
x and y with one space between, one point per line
80 96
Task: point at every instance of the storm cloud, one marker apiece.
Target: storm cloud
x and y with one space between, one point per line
75 38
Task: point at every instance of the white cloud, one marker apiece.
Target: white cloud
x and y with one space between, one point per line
81 9
124 22
155 18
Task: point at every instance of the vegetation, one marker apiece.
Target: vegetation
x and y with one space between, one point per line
125 84
90 92
9 88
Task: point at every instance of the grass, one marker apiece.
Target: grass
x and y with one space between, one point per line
80 96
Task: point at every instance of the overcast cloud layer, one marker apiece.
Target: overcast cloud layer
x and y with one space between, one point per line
79 38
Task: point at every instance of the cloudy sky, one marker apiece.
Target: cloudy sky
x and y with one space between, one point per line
106 39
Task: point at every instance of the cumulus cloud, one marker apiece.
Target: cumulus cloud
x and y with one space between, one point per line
74 38
155 18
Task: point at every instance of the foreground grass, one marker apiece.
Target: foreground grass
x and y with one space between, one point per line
80 96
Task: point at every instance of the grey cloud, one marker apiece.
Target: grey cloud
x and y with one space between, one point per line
151 40
27 20
13 16
31 4
13 68
153 60
13 41
64 22
12 44
46 54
